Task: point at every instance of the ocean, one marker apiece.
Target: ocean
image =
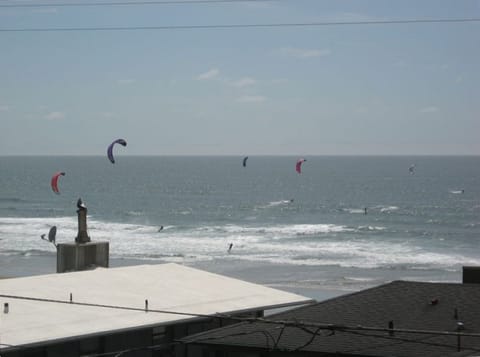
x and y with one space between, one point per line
342 225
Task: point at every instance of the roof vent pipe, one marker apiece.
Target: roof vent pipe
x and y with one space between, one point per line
471 274
390 326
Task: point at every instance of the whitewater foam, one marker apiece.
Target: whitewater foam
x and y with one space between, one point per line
310 244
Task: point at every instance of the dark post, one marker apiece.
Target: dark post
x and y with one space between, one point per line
460 327
82 236
390 327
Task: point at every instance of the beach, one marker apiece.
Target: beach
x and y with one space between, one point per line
319 283
307 233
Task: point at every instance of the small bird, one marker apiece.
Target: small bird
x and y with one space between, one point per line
80 204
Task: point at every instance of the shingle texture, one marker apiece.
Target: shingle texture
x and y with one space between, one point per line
409 305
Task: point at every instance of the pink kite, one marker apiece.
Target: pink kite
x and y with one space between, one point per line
298 167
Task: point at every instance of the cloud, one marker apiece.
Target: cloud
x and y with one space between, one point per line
258 5
361 110
107 115
399 63
125 81
430 109
251 99
211 74
243 82
352 17
438 67
46 10
304 53
4 108
55 116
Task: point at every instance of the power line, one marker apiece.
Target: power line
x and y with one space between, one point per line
393 339
288 323
303 325
241 26
130 3
397 339
71 302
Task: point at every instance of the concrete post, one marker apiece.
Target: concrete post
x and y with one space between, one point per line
83 254
82 236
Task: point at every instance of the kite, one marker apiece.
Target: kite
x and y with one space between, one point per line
54 181
110 149
298 166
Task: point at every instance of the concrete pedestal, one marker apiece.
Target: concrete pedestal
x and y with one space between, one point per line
82 256
471 275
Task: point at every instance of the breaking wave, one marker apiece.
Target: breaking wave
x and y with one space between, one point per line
360 246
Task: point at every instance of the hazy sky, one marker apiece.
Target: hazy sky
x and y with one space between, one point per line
378 89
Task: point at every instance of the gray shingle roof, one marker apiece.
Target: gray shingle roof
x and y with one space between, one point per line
410 305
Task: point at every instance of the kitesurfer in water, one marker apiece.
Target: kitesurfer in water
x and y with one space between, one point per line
160 229
365 210
230 247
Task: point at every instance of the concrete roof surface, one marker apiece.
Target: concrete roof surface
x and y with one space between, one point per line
168 287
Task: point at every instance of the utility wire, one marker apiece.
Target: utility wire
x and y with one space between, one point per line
71 302
406 340
288 323
393 339
240 26
130 3
303 325
314 334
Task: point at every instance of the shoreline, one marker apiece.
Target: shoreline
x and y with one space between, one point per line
316 282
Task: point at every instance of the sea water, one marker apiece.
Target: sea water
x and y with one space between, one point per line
344 223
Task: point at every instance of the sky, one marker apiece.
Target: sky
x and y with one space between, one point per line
356 89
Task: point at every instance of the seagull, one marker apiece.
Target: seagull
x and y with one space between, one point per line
80 204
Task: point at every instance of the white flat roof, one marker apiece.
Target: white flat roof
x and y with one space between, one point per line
168 287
